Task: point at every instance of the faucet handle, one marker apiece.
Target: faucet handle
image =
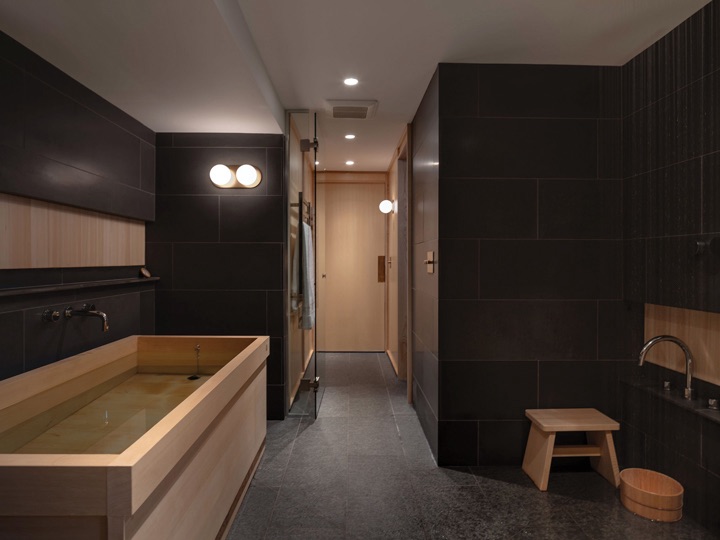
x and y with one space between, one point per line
88 307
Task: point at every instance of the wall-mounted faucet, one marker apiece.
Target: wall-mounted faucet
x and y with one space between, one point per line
688 392
88 310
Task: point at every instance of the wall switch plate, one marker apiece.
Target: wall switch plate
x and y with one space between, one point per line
430 262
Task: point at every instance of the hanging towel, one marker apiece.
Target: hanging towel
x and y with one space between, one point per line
295 278
308 277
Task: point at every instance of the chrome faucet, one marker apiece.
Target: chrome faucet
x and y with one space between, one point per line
88 310
688 392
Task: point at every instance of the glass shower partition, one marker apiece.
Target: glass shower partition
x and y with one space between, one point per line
303 382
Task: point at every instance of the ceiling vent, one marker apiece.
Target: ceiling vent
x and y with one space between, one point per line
358 110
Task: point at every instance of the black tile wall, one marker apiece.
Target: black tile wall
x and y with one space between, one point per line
457 443
489 148
425 203
502 442
549 269
28 342
517 330
671 122
582 209
227 266
578 384
251 219
62 143
475 390
538 91
187 219
11 341
219 253
488 208
665 433
531 251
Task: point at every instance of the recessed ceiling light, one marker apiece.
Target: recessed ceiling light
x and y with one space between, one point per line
350 136
349 163
351 81
317 163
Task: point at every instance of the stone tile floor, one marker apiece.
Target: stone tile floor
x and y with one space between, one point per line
363 469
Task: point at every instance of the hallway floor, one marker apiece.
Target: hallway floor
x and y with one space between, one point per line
363 469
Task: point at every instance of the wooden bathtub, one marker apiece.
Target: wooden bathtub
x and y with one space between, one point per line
182 479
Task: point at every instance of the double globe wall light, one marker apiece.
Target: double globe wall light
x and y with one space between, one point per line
235 176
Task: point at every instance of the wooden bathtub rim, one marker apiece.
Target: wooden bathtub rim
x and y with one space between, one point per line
138 517
120 469
135 468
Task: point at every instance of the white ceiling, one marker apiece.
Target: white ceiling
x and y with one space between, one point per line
190 65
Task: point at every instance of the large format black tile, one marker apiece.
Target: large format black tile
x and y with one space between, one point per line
517 330
544 91
518 148
184 219
186 171
11 343
428 419
711 446
580 209
425 319
273 176
634 271
502 442
48 342
251 219
29 175
459 91
457 443
567 384
620 329
425 373
227 266
276 405
159 261
147 313
425 122
60 129
479 390
275 367
233 313
712 493
11 110
147 167
458 274
610 144
550 269
10 279
132 202
476 208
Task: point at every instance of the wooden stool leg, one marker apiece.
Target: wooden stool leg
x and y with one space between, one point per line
606 464
538 455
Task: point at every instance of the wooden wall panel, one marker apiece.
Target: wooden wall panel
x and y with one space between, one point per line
699 329
37 234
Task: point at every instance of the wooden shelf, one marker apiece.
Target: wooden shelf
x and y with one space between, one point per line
581 450
19 291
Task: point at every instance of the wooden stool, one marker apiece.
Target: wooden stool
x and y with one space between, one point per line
541 447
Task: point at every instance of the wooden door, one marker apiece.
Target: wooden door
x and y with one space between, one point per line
350 237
